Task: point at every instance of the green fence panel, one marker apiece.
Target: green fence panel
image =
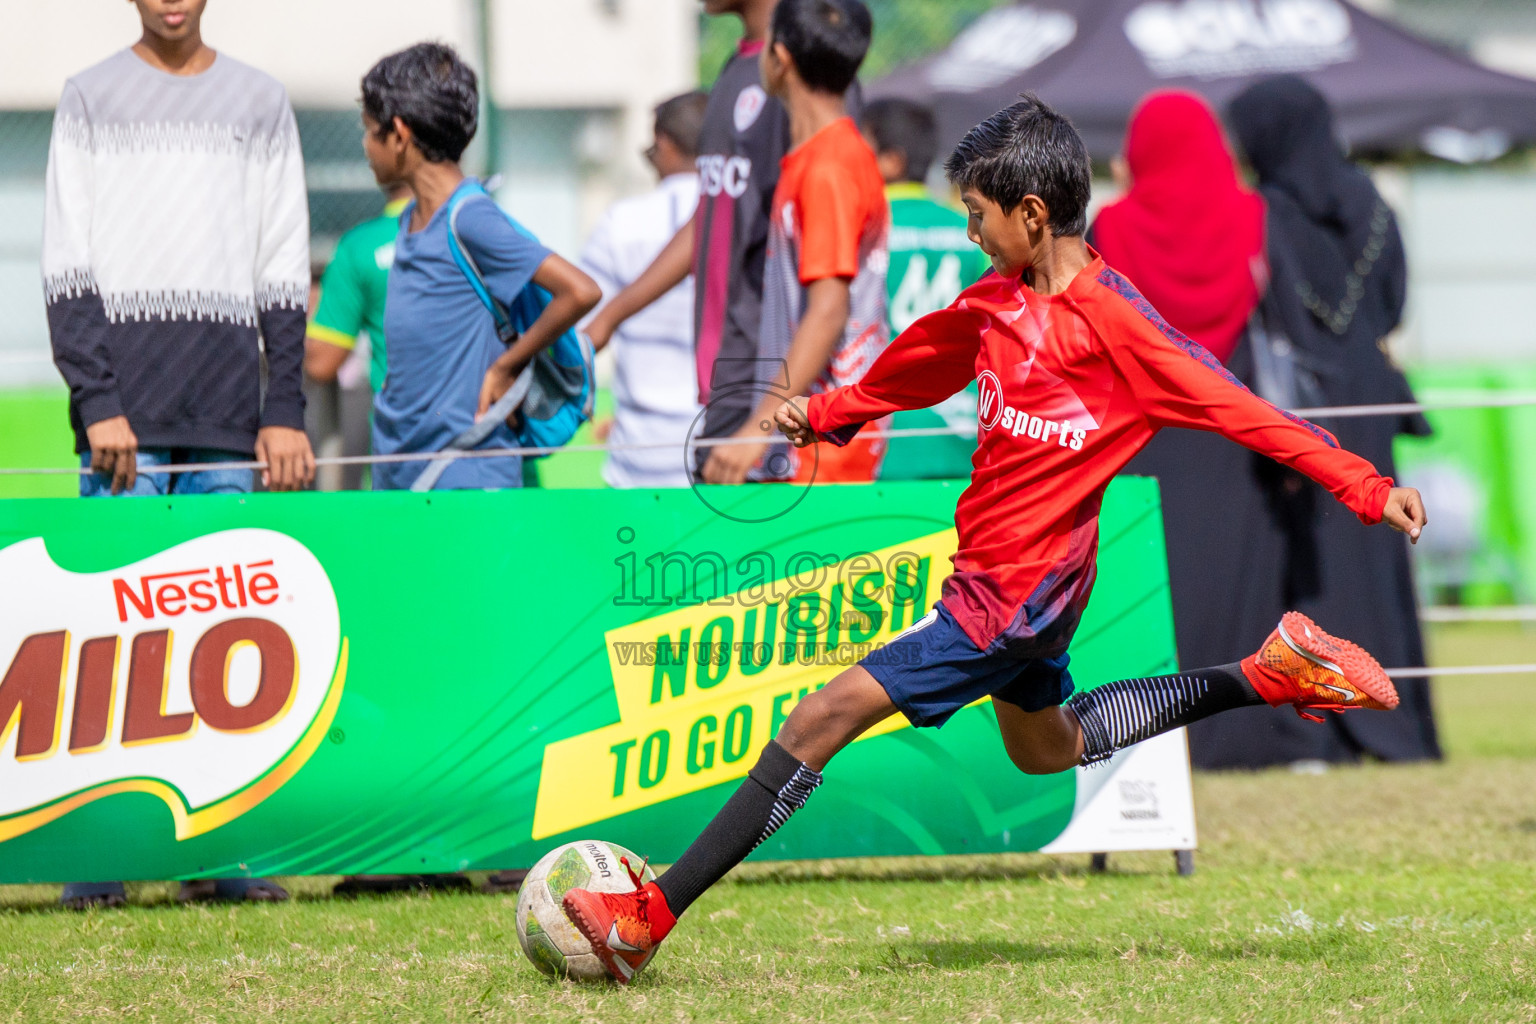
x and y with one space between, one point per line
1484 456
34 432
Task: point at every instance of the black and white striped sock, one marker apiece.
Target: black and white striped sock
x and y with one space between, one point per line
776 787
791 797
1118 714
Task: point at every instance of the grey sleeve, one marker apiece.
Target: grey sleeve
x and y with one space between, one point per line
77 318
282 274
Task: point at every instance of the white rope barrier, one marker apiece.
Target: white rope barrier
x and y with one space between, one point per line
1430 614
1327 412
483 453
1461 670
1508 401
1498 613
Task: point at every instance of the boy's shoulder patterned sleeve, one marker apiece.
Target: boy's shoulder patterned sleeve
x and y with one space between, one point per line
928 362
1178 383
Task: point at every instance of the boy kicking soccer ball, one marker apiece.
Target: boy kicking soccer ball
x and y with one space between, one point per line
1077 371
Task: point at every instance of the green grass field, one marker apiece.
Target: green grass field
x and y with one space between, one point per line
1366 894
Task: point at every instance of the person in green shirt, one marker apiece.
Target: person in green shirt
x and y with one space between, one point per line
352 296
351 304
932 261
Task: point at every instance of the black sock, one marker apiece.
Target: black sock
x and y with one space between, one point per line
776 787
1118 714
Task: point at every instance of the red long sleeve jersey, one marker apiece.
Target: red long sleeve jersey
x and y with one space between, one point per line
1072 386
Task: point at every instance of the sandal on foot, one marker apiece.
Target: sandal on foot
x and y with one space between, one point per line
231 890
85 895
359 885
505 881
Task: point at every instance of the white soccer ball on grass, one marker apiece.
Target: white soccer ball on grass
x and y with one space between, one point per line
549 939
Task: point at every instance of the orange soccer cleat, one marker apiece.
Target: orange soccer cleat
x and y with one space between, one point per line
1302 666
624 928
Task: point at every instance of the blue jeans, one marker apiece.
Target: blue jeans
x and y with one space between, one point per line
218 481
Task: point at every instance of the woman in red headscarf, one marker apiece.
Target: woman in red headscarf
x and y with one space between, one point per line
1191 238
1187 233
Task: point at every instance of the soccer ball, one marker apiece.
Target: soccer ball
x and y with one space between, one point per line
548 937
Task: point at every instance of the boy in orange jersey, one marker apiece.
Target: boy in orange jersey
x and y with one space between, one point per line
824 320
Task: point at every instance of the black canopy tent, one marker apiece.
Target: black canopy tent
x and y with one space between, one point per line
1095 59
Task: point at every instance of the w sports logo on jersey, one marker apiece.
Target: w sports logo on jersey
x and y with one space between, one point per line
993 412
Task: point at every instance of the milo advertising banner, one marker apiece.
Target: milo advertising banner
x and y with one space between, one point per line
371 683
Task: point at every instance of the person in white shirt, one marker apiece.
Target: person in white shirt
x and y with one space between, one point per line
654 391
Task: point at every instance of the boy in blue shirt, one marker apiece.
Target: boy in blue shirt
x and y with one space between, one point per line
446 364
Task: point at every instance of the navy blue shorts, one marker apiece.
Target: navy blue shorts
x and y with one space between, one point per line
932 670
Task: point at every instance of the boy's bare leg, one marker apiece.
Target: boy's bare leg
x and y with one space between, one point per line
1040 742
786 772
834 716
624 927
1299 665
1094 724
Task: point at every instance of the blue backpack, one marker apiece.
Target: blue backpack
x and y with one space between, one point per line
555 393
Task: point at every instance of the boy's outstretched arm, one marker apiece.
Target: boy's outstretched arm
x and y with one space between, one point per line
927 363
793 423
1179 384
1404 512
572 296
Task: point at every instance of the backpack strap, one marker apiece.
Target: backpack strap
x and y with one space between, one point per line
470 268
508 403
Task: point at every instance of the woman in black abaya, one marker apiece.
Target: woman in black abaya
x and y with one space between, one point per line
1338 280
1190 235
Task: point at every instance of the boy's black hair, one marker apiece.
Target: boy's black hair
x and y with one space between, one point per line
904 127
681 119
827 40
434 92
1027 149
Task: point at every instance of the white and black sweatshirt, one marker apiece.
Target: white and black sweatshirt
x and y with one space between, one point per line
176 228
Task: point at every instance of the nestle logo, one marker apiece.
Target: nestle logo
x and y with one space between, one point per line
196 590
